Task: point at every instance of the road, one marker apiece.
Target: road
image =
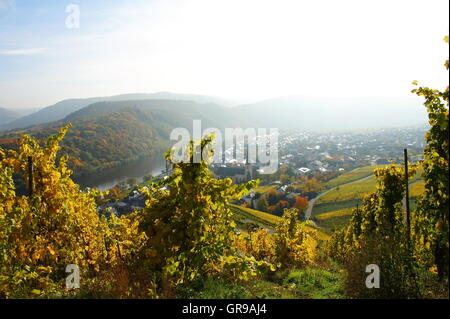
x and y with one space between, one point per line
312 201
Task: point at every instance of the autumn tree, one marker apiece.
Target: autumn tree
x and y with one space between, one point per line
262 204
114 193
284 178
301 203
312 186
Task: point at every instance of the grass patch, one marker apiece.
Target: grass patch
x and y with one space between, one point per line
309 283
313 283
270 290
213 289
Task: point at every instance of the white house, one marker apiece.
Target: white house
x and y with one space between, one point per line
302 170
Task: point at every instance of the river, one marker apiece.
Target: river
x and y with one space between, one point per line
108 178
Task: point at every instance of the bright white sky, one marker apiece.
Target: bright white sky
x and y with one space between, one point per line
245 49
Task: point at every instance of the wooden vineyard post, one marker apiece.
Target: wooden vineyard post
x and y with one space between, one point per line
408 217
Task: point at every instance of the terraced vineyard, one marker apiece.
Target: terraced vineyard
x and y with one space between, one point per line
334 220
351 176
345 196
333 210
266 220
264 189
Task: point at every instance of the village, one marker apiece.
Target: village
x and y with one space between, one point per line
303 156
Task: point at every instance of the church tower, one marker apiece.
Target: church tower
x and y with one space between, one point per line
248 168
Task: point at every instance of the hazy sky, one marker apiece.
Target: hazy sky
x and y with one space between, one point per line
246 49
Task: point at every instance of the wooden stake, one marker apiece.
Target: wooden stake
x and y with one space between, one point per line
408 220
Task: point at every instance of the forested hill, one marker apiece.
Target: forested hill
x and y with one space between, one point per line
282 112
48 114
175 113
100 142
108 134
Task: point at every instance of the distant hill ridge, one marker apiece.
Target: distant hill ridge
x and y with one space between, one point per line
7 115
282 112
176 112
63 108
109 133
335 113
